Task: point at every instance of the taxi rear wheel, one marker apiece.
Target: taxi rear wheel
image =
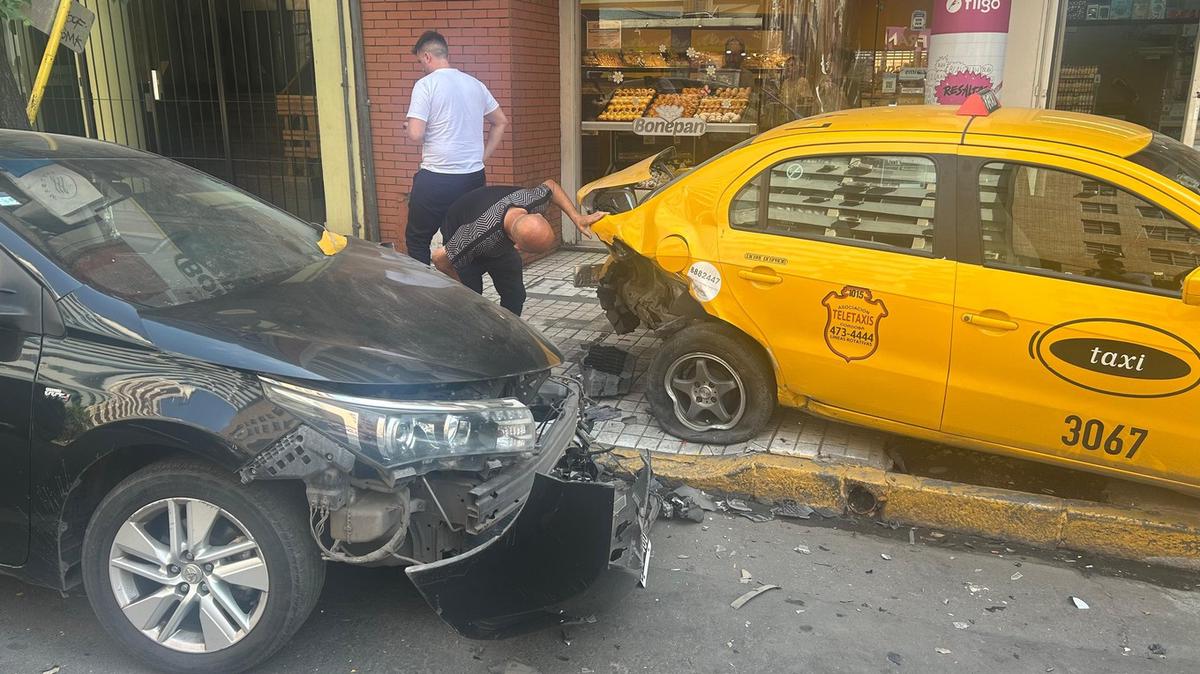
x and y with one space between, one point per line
711 384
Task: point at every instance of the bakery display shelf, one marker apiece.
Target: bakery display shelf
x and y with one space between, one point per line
747 128
695 22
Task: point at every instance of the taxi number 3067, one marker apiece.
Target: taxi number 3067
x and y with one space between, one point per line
1092 435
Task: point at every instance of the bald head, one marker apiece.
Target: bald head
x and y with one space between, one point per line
532 233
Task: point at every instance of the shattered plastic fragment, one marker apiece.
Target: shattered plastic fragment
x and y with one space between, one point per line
741 601
961 625
757 518
942 651
1158 649
885 556
1080 604
698 497
894 658
738 505
789 508
802 549
746 577
1016 576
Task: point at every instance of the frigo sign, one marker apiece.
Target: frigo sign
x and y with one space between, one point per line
657 126
1118 357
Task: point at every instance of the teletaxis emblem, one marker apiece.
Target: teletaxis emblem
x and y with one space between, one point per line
852 327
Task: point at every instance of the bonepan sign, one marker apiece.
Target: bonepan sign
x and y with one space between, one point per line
657 126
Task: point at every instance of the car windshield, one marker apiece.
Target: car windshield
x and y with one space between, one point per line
701 165
149 230
1172 159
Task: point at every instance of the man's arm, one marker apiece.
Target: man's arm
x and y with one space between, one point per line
582 222
495 134
415 129
441 260
418 112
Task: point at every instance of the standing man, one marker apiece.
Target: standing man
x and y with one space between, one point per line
488 228
446 115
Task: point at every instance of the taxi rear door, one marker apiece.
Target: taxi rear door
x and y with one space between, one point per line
1070 339
838 254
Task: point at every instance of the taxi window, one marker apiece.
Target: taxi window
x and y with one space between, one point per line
881 201
1041 219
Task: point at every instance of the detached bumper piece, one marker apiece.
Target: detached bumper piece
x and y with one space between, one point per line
569 531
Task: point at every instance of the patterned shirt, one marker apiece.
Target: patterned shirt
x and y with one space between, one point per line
484 235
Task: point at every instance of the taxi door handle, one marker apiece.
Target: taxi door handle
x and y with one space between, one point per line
769 278
990 323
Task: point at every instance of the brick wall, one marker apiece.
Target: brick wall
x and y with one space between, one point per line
510 45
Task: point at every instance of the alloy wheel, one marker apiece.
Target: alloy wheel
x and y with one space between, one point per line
708 394
188 575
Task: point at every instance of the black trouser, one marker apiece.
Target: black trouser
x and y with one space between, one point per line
505 270
431 196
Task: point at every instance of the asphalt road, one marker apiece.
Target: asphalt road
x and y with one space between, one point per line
841 608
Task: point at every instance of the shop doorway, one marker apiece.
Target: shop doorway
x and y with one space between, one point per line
225 86
1134 60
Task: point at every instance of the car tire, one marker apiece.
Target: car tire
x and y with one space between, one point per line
724 388
246 569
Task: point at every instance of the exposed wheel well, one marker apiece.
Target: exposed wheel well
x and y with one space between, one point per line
89 488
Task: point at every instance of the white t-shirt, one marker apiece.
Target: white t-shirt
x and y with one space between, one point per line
452 105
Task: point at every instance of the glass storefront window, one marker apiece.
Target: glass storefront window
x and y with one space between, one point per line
1130 60
703 75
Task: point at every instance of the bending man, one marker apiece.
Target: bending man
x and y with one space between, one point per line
488 228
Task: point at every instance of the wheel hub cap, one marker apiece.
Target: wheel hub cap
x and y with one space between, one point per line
192 573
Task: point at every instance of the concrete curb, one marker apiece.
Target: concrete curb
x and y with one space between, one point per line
1169 539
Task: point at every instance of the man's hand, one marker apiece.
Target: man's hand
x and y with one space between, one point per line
441 260
584 222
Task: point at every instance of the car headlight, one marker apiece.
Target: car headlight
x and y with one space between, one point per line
398 432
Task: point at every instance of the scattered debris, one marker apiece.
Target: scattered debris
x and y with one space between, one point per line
792 510
1080 604
738 505
885 556
682 556
1155 649
757 518
912 536
697 496
975 589
597 413
942 651
802 549
607 371
52 670
961 625
936 534
741 601
823 548
685 503
894 658
746 577
1016 576
993 609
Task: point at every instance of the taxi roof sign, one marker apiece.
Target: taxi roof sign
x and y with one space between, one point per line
980 104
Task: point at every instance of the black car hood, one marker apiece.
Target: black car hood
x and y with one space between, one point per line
367 315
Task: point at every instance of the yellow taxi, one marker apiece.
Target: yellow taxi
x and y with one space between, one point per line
1018 281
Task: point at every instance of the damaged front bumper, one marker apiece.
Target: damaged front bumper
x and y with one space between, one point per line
572 526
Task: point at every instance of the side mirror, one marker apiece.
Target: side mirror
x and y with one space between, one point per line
1191 288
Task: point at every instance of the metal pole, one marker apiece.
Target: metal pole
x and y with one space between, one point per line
220 72
48 56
